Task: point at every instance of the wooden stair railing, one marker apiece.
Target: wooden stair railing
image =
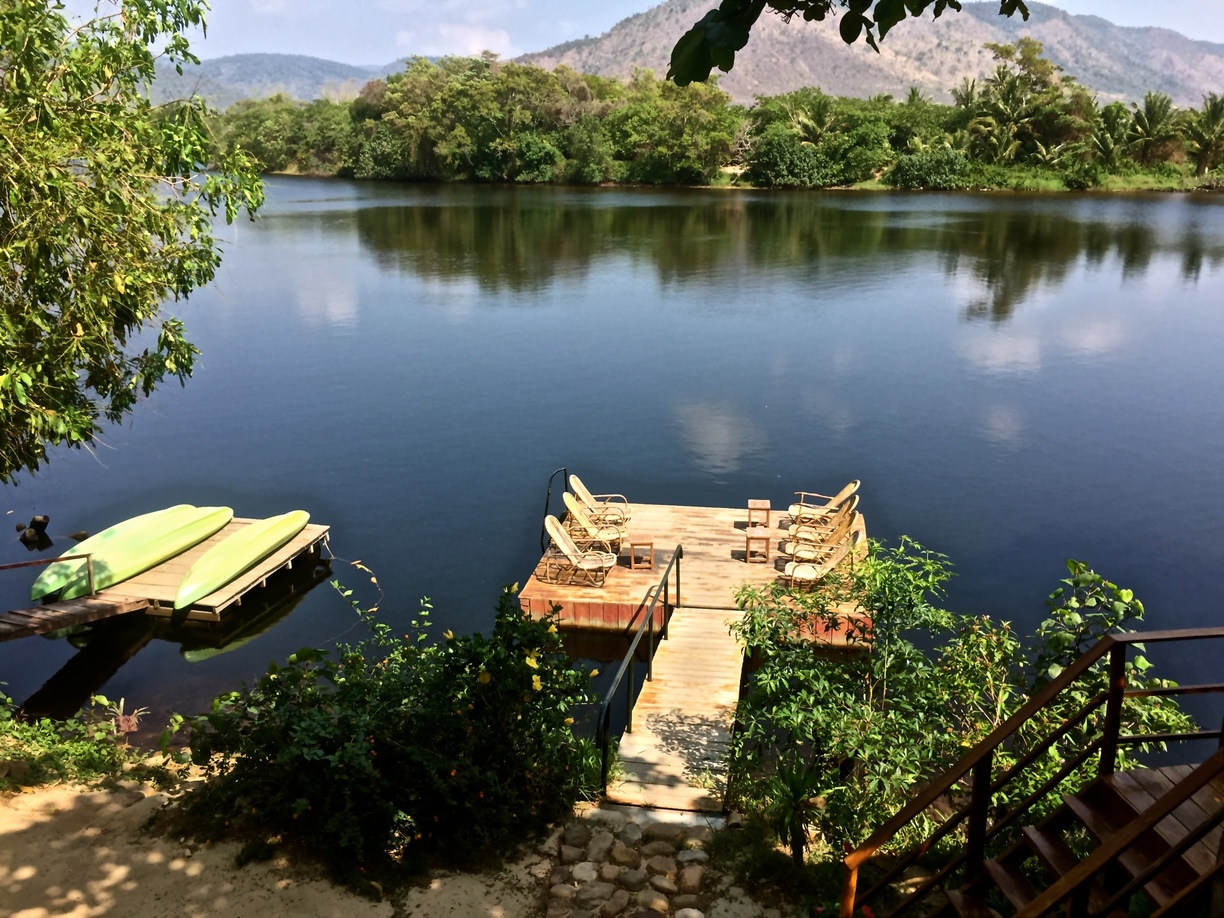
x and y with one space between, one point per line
1157 842
978 766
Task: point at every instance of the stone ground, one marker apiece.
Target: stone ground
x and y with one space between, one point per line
80 853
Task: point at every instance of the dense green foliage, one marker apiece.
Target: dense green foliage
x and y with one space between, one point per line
1026 127
105 213
400 746
837 739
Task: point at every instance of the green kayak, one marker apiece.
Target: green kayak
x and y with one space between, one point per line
59 573
146 548
236 553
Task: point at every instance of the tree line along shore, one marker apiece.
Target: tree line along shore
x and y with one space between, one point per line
1027 126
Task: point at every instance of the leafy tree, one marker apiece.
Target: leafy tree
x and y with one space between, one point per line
1205 134
721 32
844 715
105 212
1154 126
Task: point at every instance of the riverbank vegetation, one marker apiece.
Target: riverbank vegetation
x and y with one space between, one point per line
1027 126
843 718
401 747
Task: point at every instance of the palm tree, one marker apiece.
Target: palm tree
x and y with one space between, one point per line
967 95
1205 134
1110 134
810 116
915 97
1153 126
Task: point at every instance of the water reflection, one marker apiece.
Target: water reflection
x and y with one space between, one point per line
1007 249
719 438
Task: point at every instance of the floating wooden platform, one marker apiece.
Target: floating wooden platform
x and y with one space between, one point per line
153 591
676 755
712 569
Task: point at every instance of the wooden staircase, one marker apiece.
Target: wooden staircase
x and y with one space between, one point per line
1151 832
1157 830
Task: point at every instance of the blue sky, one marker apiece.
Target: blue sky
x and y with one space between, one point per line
379 31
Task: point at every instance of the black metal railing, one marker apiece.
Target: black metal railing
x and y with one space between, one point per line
563 471
647 627
89 571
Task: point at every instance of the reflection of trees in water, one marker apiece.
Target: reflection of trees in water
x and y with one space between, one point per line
525 242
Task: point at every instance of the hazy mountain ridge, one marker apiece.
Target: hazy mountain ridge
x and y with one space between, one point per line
225 80
1117 62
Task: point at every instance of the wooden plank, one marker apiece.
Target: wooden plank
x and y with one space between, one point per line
675 758
18 623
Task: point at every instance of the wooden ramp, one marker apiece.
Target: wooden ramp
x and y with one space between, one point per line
676 756
153 591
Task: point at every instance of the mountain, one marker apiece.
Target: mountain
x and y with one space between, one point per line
1115 61
225 80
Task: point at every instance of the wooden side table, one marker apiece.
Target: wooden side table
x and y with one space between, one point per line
761 537
646 544
755 508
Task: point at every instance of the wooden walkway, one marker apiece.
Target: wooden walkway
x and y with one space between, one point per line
153 591
676 756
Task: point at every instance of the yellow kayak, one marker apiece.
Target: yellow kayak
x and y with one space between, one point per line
236 553
59 573
145 548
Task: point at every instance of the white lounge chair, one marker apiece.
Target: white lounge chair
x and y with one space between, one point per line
602 508
585 531
807 574
808 510
565 562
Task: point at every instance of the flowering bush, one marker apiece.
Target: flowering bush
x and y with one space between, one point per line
400 746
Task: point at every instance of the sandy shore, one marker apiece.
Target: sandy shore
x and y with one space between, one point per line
69 852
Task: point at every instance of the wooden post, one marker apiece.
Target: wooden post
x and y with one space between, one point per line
849 890
1113 709
979 812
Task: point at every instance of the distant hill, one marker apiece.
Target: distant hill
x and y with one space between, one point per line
1115 61
225 80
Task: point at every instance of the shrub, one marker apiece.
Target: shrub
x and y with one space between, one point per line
400 747
939 169
837 738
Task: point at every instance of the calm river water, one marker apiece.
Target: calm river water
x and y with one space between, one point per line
1017 380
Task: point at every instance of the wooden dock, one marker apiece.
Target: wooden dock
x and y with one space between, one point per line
713 567
675 757
152 592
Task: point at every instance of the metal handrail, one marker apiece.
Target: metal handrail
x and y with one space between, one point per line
979 759
547 499
39 562
627 663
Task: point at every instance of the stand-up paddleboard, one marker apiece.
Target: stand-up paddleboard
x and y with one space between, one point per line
237 553
59 573
130 556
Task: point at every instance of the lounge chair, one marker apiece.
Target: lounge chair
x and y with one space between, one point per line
602 508
813 508
807 574
585 531
565 562
819 531
811 544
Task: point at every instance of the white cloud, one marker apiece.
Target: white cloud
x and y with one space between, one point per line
1003 425
458 38
718 436
1002 352
1094 338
